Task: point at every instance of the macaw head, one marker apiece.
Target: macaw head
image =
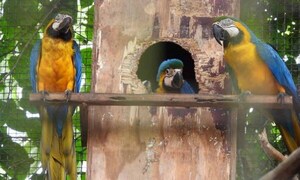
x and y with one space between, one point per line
62 22
169 75
60 27
230 31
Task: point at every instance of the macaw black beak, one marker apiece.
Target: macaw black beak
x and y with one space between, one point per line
218 32
67 21
62 22
177 80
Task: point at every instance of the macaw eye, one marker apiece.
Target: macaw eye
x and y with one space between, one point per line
167 71
226 22
58 17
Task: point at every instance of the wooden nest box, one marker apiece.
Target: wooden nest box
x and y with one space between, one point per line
131 38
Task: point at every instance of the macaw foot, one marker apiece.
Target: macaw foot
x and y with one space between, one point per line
44 94
243 95
68 94
148 86
280 97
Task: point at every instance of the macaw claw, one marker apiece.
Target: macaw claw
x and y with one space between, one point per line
280 97
44 94
68 94
243 95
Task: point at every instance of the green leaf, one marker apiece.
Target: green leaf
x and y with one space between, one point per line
39 177
87 69
90 21
20 14
58 6
21 69
2 86
86 3
16 119
7 44
14 159
25 104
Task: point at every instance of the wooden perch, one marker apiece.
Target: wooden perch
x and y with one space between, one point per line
268 148
286 169
84 100
179 100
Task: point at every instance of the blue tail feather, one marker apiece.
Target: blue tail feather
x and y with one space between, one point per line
58 114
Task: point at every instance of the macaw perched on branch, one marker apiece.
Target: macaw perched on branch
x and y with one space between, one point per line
170 79
55 66
256 67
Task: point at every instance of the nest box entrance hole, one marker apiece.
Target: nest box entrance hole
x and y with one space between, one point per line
159 52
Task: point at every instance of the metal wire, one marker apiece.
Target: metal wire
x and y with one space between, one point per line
19 122
271 23
277 23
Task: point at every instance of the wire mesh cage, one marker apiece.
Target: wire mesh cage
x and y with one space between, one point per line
277 23
21 24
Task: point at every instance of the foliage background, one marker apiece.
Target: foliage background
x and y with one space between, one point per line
277 23
21 22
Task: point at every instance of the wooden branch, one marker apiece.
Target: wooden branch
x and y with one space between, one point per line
179 100
268 148
288 169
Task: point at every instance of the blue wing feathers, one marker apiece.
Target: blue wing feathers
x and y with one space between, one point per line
78 66
280 71
34 57
186 88
284 78
277 67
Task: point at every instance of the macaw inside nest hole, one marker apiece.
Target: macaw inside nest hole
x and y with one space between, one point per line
152 57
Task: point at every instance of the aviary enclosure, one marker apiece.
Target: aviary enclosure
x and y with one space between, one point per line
122 44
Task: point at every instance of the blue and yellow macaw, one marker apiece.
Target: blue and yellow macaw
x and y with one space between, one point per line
170 79
55 66
256 67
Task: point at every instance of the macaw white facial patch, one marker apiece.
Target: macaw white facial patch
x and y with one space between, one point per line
55 25
232 30
59 20
169 78
228 25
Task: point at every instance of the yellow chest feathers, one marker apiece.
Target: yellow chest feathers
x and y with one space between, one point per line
56 69
249 69
56 49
